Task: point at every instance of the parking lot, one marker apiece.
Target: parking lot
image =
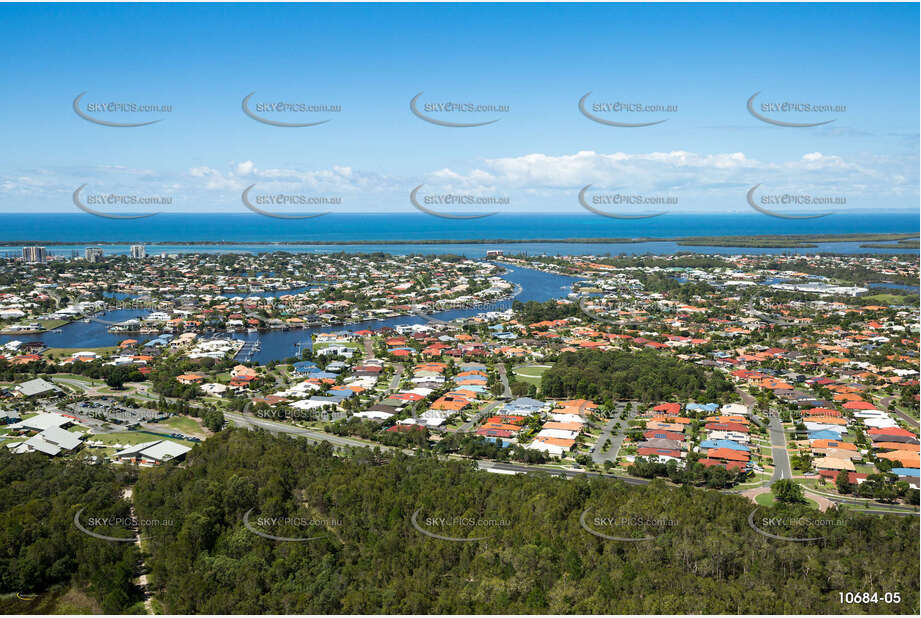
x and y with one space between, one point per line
106 410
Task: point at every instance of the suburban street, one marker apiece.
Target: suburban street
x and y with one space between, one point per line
468 426
617 439
782 468
397 377
368 345
884 405
506 392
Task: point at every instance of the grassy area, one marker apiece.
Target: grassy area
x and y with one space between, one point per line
78 377
532 370
886 299
758 479
768 500
355 345
58 600
132 437
532 374
66 352
51 324
183 424
122 437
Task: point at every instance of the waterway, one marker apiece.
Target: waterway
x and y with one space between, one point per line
533 285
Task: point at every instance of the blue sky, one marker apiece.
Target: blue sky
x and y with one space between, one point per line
538 60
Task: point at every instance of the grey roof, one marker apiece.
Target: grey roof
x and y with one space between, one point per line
525 403
40 422
63 438
166 450
36 387
160 450
134 449
36 443
53 440
674 445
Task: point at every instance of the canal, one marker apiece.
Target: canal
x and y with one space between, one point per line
533 285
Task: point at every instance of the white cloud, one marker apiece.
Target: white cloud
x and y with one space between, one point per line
712 177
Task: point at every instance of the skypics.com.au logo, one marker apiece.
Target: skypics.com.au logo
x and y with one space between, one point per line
768 203
115 525
271 527
92 202
455 113
116 112
615 113
256 202
455 525
280 112
781 113
624 205
442 204
639 527
800 529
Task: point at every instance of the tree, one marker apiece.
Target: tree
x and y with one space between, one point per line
788 491
115 380
843 483
213 420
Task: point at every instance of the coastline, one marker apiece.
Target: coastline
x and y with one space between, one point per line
767 241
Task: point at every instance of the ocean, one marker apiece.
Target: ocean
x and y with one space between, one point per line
252 232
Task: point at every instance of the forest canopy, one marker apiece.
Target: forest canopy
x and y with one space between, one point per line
533 555
606 376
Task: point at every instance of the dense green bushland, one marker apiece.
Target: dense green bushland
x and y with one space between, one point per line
40 547
644 376
535 556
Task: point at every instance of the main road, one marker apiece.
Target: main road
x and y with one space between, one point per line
318 436
313 436
567 472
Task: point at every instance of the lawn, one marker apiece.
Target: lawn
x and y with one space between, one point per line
531 371
768 500
52 324
77 377
355 345
886 299
758 479
65 352
132 438
183 424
